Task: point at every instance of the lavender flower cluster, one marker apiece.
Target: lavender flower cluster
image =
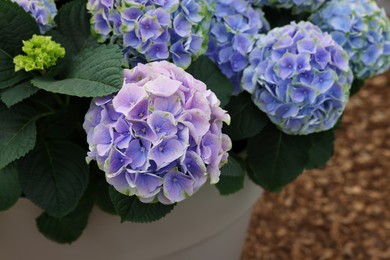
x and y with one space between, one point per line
153 29
43 12
300 77
159 137
362 29
235 26
297 6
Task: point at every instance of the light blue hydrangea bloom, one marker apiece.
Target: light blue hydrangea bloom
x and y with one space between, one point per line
362 29
160 137
43 12
297 6
300 77
235 26
153 29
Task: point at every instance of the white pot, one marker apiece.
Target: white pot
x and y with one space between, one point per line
205 226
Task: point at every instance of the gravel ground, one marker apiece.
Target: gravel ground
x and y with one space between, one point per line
343 210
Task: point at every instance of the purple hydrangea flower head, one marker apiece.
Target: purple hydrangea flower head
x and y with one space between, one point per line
235 25
43 12
300 77
160 136
297 6
153 29
362 29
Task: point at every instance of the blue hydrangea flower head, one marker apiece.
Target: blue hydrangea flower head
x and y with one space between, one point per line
43 12
153 30
160 137
362 29
297 6
235 25
300 77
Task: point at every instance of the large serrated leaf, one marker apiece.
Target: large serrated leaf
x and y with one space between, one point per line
103 199
246 119
17 93
10 190
206 71
17 134
54 176
8 76
232 176
16 25
321 149
69 228
73 23
276 159
95 72
130 208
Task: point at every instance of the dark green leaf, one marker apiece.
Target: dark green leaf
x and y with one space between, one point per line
8 76
17 93
206 71
130 208
69 228
356 86
16 25
276 159
95 72
321 149
246 119
17 133
232 176
54 176
63 123
73 23
103 199
10 190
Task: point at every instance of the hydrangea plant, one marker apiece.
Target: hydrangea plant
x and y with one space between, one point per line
299 76
362 29
297 6
43 12
153 134
234 29
153 30
160 136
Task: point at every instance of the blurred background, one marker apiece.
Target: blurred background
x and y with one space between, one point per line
343 210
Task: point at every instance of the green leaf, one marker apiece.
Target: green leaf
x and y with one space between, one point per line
73 22
64 122
54 176
10 190
17 133
8 76
232 176
17 93
247 120
95 72
103 199
206 71
321 149
130 208
276 159
17 25
69 228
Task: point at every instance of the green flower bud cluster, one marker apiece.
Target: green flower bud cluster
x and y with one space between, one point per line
41 53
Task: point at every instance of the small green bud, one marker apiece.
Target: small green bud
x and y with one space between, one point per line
42 53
